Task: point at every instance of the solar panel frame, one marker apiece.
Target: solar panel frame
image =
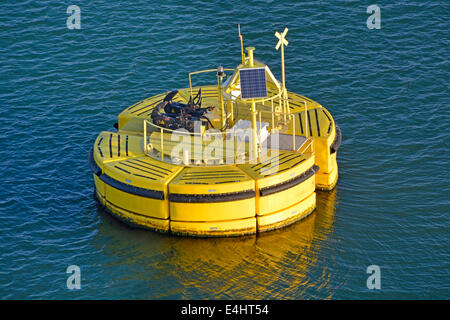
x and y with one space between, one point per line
253 83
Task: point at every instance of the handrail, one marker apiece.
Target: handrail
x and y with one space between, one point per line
290 117
305 111
203 71
273 114
180 132
308 144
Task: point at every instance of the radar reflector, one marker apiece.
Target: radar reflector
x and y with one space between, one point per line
253 83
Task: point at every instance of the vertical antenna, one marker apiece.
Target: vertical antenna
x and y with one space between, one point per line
242 44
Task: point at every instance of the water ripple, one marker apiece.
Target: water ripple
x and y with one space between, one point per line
387 89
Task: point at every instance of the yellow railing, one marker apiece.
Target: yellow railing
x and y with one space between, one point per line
309 144
203 71
305 110
266 113
166 136
199 137
223 116
284 123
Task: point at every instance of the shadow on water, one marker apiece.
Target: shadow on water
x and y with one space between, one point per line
274 265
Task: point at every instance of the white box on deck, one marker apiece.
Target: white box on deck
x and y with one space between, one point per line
243 130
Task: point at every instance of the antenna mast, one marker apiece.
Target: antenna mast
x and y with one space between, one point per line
242 44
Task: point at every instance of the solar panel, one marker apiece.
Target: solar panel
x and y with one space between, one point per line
253 83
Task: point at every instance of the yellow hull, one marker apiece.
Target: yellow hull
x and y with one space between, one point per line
242 224
225 200
250 204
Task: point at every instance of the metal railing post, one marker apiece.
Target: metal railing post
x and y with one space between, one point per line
273 116
293 132
162 144
259 134
145 136
306 119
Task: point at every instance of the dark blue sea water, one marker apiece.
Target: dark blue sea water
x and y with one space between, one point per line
388 89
